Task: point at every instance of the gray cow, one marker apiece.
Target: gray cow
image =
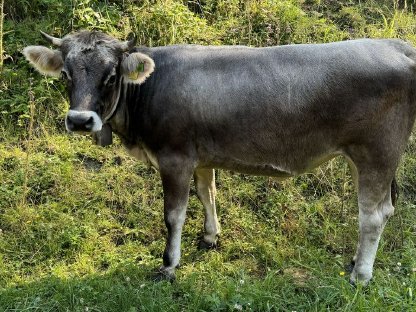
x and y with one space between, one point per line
276 111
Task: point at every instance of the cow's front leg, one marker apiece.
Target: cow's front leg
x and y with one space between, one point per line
205 186
176 176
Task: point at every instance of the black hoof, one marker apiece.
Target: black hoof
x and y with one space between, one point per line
162 275
203 245
349 267
365 285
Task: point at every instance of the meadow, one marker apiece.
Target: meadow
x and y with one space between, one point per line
81 226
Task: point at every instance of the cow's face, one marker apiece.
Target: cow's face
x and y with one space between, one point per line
94 66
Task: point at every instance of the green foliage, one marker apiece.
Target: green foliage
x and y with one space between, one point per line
169 22
18 10
81 228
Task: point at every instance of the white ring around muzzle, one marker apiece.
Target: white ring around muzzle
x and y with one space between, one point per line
97 122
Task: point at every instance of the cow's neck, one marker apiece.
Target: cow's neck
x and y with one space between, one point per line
122 122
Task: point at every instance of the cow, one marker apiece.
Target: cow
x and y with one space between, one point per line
272 111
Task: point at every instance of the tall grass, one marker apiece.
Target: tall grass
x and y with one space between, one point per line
28 145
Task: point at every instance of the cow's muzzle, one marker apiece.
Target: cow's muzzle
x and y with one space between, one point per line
83 121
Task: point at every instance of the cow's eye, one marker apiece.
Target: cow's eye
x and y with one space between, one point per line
111 80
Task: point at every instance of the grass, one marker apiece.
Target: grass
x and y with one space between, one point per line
81 227
91 233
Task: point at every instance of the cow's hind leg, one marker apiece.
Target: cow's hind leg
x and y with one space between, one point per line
205 186
176 176
375 207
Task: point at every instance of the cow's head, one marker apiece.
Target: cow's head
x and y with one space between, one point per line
94 66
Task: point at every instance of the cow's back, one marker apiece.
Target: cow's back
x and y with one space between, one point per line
274 110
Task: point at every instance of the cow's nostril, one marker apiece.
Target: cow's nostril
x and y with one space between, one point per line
69 124
89 123
80 121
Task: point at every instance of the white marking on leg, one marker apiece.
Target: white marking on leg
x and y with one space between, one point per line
175 242
205 185
373 216
176 173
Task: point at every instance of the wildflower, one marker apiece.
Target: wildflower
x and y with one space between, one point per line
238 307
398 266
342 273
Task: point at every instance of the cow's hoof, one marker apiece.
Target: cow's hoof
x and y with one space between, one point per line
355 283
350 267
357 279
162 274
203 245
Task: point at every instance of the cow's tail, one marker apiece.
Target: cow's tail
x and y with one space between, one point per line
394 192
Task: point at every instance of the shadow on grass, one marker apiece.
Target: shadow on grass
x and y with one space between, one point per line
126 288
130 288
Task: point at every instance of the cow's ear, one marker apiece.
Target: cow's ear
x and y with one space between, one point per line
45 60
136 67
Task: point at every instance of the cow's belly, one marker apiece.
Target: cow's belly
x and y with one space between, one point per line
274 168
281 168
271 170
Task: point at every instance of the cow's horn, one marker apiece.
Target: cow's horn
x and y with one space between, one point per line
53 40
128 45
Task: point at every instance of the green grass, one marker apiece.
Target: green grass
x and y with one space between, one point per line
91 233
81 227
